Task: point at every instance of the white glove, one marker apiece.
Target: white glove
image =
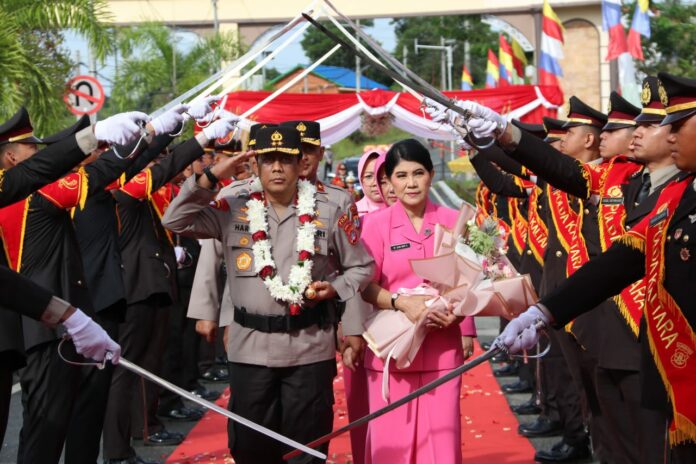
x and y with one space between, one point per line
220 128
90 339
201 108
438 113
483 121
180 254
166 122
463 144
120 128
521 332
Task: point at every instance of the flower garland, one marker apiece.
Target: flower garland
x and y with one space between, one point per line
301 273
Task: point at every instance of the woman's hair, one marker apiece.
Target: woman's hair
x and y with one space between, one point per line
407 150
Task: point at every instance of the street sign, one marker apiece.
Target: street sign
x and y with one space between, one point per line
84 95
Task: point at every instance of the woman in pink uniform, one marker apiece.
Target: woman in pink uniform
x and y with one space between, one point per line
355 379
427 430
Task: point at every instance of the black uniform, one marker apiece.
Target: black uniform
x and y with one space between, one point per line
150 288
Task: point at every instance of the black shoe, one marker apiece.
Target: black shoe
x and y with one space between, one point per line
183 414
164 438
133 460
486 346
209 395
500 357
521 386
563 453
507 370
526 408
216 374
540 428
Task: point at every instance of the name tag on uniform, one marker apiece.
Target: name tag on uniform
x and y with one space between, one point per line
400 246
320 233
659 217
612 201
241 227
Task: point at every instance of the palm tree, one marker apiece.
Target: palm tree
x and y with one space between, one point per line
34 67
154 71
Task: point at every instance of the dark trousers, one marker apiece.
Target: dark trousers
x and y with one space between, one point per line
85 430
636 434
561 397
140 345
294 401
5 397
50 389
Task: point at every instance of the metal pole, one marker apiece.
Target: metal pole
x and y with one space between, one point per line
443 65
216 22
405 56
450 63
357 65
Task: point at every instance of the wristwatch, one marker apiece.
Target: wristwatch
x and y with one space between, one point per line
211 177
394 296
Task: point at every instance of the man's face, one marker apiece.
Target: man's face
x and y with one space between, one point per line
278 172
681 141
650 143
615 142
15 153
311 157
575 141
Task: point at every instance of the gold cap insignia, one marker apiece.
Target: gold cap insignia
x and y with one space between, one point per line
645 95
664 99
277 139
301 128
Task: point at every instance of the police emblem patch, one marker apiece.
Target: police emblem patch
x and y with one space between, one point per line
243 261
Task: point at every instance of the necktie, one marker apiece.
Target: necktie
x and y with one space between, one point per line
644 188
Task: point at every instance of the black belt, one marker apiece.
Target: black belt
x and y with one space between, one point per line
322 314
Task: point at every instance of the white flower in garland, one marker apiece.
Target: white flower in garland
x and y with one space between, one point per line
300 273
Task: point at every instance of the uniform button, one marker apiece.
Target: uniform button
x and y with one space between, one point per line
559 254
628 227
587 211
686 238
529 252
156 255
122 266
669 237
79 282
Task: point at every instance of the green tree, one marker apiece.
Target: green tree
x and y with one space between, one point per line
153 71
315 45
428 31
673 38
34 65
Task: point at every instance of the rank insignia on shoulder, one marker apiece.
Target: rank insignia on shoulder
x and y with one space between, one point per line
343 220
243 261
353 236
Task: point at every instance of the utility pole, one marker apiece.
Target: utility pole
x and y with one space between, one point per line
446 49
358 72
405 56
216 22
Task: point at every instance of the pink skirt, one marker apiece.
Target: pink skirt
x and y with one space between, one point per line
356 397
425 431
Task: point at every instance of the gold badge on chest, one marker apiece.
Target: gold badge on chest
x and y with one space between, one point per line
243 261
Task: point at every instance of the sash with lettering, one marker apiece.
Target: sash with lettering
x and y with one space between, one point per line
568 225
538 235
519 225
612 222
671 338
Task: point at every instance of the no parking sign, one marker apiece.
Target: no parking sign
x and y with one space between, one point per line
84 95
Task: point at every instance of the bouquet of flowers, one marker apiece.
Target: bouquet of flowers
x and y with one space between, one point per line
468 275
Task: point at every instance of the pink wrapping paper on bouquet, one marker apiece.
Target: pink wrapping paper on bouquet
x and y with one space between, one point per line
457 283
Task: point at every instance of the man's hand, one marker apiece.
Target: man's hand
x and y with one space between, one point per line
521 332
353 352
220 128
201 108
484 122
225 168
207 329
168 121
121 128
90 339
413 306
325 291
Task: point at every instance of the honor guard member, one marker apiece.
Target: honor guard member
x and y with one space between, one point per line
659 249
148 269
281 344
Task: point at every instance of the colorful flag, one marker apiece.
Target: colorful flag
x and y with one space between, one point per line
639 26
551 47
519 60
467 83
505 59
492 70
611 22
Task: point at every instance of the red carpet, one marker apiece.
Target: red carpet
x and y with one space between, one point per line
489 429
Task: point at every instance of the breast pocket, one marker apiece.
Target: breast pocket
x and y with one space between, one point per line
241 254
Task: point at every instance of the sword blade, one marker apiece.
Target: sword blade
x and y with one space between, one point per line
421 391
214 407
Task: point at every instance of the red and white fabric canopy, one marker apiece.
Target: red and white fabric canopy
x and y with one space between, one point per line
340 114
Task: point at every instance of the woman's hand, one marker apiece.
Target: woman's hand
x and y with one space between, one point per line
440 319
412 306
467 346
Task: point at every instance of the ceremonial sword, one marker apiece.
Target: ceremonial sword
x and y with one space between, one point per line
214 407
494 350
417 84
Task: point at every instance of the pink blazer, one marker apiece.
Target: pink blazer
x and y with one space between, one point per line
392 241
